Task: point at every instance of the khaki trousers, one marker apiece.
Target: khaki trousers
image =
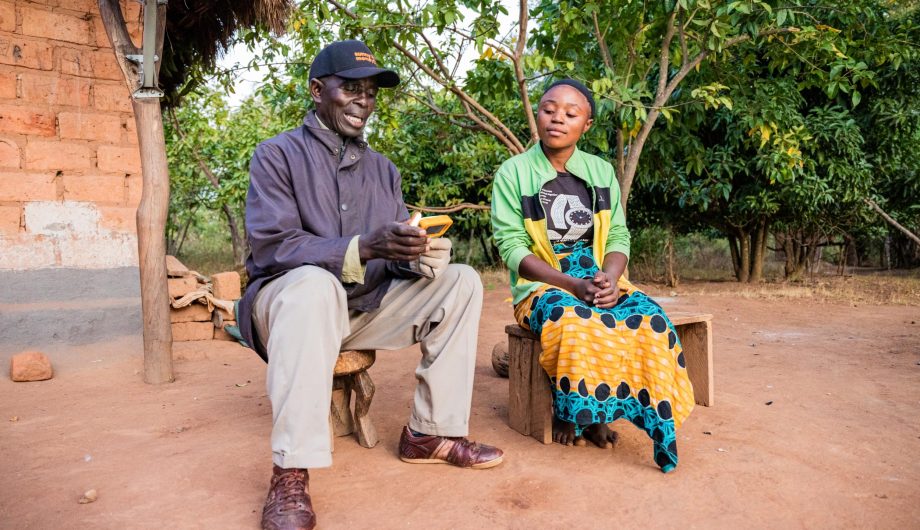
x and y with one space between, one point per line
303 321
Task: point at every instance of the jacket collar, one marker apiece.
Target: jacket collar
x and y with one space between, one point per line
575 165
329 138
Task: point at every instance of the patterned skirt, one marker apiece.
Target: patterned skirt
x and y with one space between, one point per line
607 364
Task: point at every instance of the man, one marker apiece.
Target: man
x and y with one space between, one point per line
335 266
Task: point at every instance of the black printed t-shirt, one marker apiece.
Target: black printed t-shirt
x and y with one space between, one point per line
567 203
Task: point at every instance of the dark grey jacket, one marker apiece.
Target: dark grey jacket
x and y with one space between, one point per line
306 202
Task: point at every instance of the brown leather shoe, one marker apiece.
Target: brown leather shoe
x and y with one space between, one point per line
430 449
288 505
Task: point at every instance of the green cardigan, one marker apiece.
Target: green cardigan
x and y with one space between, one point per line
519 220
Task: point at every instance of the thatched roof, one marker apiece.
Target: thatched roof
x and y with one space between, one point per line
198 30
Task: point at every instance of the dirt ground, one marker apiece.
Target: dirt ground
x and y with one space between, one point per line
815 424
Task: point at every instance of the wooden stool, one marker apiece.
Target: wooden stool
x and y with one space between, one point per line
530 400
351 375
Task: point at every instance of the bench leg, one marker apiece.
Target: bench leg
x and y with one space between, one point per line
340 411
364 392
529 398
696 340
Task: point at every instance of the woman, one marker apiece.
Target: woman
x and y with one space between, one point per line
609 349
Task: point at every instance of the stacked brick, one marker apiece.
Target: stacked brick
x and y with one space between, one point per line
196 321
70 176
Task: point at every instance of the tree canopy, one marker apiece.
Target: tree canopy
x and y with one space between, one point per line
754 118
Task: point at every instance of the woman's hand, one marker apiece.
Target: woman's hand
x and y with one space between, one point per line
607 294
584 290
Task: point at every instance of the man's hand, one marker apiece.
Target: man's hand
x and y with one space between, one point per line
608 294
393 241
433 262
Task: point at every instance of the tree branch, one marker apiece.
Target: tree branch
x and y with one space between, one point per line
437 58
449 209
114 22
605 51
891 220
664 60
499 129
212 178
519 71
683 37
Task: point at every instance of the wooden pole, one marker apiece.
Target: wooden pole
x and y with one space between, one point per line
154 205
151 241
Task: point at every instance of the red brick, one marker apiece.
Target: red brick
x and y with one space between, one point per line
80 6
57 155
118 159
131 131
134 191
184 331
26 120
94 188
55 90
118 218
101 37
7 17
9 154
106 66
28 53
42 22
90 126
86 63
114 97
10 217
30 366
226 285
7 84
193 312
179 287
175 268
27 187
134 11
221 334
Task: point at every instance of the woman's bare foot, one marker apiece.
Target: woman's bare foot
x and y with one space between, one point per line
601 435
564 432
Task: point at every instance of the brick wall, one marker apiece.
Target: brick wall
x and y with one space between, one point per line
70 175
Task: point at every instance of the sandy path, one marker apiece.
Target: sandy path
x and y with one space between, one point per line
838 446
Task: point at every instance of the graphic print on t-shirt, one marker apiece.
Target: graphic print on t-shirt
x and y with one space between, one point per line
567 202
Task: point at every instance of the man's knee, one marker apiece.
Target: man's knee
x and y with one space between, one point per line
463 277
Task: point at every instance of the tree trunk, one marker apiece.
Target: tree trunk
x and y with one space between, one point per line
744 254
736 259
789 251
237 237
488 250
758 250
151 241
669 249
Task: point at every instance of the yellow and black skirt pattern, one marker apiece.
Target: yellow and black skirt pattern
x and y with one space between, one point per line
607 364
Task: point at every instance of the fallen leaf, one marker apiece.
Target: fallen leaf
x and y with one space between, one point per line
768 403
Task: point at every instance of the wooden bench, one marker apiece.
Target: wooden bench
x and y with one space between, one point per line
530 400
350 376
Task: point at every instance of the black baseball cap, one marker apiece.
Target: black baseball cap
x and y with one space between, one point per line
351 59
